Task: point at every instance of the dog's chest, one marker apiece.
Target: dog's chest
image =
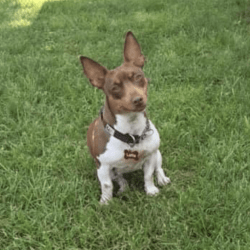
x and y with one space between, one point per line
122 157
131 160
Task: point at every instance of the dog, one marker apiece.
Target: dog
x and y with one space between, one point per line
122 139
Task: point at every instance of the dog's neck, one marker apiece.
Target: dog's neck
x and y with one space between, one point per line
131 122
108 115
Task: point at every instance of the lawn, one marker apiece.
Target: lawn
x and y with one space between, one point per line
198 59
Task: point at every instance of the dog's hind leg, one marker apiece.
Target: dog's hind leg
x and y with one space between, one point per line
119 179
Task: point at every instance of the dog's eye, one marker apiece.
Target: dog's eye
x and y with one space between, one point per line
116 91
131 76
116 88
139 80
138 77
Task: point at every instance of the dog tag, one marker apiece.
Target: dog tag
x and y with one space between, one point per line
129 154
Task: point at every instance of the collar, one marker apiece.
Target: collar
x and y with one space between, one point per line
127 138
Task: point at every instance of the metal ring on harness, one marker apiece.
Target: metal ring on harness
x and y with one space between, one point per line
133 143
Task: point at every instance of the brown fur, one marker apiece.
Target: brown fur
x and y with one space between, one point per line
125 88
97 138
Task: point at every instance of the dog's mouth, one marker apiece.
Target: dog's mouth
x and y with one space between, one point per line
136 109
139 109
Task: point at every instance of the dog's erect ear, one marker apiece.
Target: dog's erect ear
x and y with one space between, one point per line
94 71
132 51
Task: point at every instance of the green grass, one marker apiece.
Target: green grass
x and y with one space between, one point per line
199 97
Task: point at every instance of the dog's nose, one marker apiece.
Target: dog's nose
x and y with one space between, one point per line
137 100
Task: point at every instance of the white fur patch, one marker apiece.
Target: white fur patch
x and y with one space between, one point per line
147 155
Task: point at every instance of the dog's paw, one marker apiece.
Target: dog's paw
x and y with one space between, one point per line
104 201
163 180
105 198
152 191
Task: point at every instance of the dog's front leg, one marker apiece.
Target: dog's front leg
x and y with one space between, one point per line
104 177
161 177
149 168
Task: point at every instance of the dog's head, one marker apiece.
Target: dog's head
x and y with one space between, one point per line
126 85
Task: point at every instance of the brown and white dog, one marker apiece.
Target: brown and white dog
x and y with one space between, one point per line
122 138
